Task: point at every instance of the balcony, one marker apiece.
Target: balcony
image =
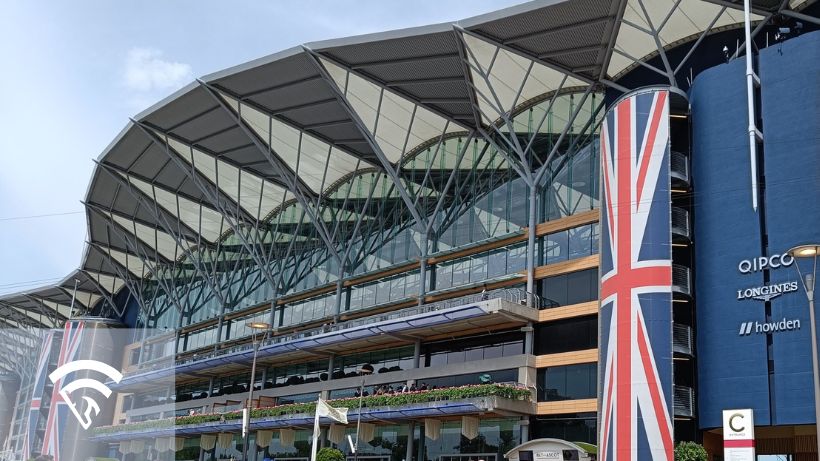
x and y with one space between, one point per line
682 340
684 401
484 399
681 226
679 166
681 280
377 331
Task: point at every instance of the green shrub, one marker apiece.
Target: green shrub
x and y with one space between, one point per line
451 393
330 454
690 451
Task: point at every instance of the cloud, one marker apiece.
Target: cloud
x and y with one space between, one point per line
147 71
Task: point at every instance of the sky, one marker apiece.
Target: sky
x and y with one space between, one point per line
74 72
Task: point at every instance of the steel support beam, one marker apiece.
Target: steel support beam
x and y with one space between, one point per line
294 185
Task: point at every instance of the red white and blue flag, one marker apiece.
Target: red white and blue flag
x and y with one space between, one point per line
59 413
37 394
636 281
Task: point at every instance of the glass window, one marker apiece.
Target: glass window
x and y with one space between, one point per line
473 348
461 272
478 269
383 361
569 382
579 241
396 288
572 288
497 376
497 263
566 335
383 292
578 427
517 258
555 247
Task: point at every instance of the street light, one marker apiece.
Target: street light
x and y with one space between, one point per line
801 252
246 412
364 370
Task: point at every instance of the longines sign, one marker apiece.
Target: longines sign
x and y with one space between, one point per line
765 292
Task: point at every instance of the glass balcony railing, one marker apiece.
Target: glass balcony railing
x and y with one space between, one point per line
682 339
679 165
681 280
684 400
681 227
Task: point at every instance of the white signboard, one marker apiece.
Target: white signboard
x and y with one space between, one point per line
548 455
738 435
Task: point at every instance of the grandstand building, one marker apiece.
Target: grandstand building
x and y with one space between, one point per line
542 222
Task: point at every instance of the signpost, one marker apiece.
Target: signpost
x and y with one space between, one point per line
738 435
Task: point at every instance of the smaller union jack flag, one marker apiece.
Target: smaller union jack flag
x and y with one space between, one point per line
59 413
636 281
37 395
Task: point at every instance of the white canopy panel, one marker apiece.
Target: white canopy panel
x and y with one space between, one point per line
397 124
255 195
209 223
315 162
512 78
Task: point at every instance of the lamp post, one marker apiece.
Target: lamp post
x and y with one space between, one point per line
364 370
246 412
806 252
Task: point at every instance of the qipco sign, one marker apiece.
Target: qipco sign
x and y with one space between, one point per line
748 266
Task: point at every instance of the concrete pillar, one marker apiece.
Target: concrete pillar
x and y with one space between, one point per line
527 373
524 423
410 430
416 359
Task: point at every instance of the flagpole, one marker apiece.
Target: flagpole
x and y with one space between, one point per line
73 297
315 443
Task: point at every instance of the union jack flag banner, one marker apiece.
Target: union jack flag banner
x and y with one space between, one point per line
59 414
636 281
41 377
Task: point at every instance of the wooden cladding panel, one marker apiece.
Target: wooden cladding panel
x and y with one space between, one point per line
565 312
382 274
480 248
564 267
566 358
568 406
556 225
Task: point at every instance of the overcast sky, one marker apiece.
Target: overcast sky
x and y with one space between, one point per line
73 72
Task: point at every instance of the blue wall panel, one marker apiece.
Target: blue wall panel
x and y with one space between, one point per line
790 76
732 369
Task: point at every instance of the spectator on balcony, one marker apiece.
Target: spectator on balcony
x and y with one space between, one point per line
484 295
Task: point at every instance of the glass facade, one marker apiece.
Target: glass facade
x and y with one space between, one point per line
573 334
572 288
481 267
396 359
471 349
573 243
575 427
569 382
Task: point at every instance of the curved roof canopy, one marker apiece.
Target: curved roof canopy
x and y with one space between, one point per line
235 148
